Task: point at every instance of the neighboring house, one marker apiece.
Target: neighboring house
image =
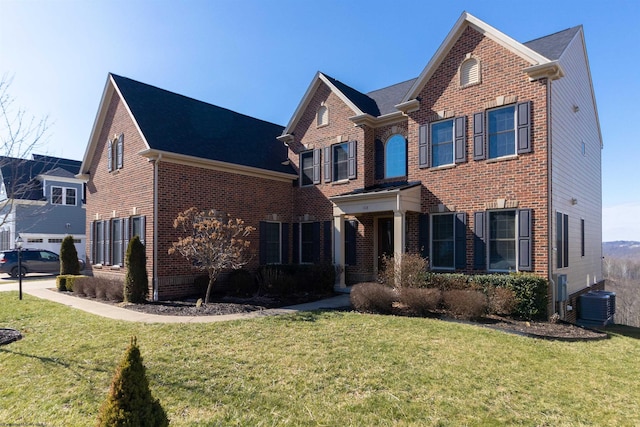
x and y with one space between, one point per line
488 161
42 201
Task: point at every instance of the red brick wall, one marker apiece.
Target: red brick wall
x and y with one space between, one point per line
469 186
123 190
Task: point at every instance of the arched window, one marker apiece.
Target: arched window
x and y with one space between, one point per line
469 72
395 157
323 116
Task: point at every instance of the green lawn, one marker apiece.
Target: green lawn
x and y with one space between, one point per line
328 369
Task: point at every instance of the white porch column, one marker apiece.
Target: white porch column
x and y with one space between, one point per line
399 238
338 249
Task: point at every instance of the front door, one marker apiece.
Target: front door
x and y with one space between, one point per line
385 239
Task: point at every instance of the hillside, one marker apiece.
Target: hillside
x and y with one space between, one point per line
621 249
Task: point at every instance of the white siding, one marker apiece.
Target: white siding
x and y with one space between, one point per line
576 175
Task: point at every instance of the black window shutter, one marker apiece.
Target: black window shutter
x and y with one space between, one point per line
125 237
379 159
119 151
352 164
479 241
107 242
328 233
565 239
316 166
524 127
110 155
461 240
524 240
423 147
263 243
92 242
478 136
316 241
327 164
460 129
350 230
423 235
296 242
284 244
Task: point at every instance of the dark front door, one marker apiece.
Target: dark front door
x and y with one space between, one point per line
385 239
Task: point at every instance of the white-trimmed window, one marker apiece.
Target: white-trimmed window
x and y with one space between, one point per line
507 131
273 239
442 242
502 240
117 236
502 131
395 157
322 116
340 158
306 168
469 72
63 196
562 240
115 153
442 143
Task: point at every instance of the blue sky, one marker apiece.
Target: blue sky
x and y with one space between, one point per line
258 58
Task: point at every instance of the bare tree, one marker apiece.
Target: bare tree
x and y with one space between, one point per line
212 241
20 134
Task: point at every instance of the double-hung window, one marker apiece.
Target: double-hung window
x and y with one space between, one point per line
306 168
117 236
340 156
502 240
442 143
442 244
272 243
562 240
307 243
63 196
502 134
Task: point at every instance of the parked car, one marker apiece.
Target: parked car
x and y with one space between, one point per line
33 261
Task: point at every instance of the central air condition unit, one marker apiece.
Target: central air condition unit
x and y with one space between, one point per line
561 284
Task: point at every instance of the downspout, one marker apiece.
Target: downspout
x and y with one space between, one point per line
154 279
550 203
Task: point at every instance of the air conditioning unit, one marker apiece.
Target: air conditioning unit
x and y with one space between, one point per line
561 285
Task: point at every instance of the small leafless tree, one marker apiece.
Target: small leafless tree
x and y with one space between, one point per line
20 134
212 241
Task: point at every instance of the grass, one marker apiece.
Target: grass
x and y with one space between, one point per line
310 369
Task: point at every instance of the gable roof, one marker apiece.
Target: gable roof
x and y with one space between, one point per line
21 176
553 45
173 123
541 66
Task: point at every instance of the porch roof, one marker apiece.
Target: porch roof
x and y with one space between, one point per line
395 196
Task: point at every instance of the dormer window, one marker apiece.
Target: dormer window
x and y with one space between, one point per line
63 196
469 71
323 116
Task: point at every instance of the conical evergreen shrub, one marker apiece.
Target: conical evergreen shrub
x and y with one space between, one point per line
69 263
130 402
136 282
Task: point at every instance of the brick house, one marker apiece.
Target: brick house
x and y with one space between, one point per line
488 161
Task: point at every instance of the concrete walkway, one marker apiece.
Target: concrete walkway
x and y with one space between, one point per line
45 288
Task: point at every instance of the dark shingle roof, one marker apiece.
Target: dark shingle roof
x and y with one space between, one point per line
387 98
178 124
20 175
378 102
553 45
363 102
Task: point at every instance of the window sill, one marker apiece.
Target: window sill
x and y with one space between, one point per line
324 125
442 167
503 158
341 182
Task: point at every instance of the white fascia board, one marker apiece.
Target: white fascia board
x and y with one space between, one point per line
304 103
487 30
166 156
70 180
97 126
375 122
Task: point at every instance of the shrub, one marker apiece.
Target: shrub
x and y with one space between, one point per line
69 263
273 280
98 287
136 282
502 301
465 304
130 402
373 298
67 282
411 273
421 301
320 278
242 283
448 281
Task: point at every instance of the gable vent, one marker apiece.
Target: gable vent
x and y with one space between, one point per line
469 72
